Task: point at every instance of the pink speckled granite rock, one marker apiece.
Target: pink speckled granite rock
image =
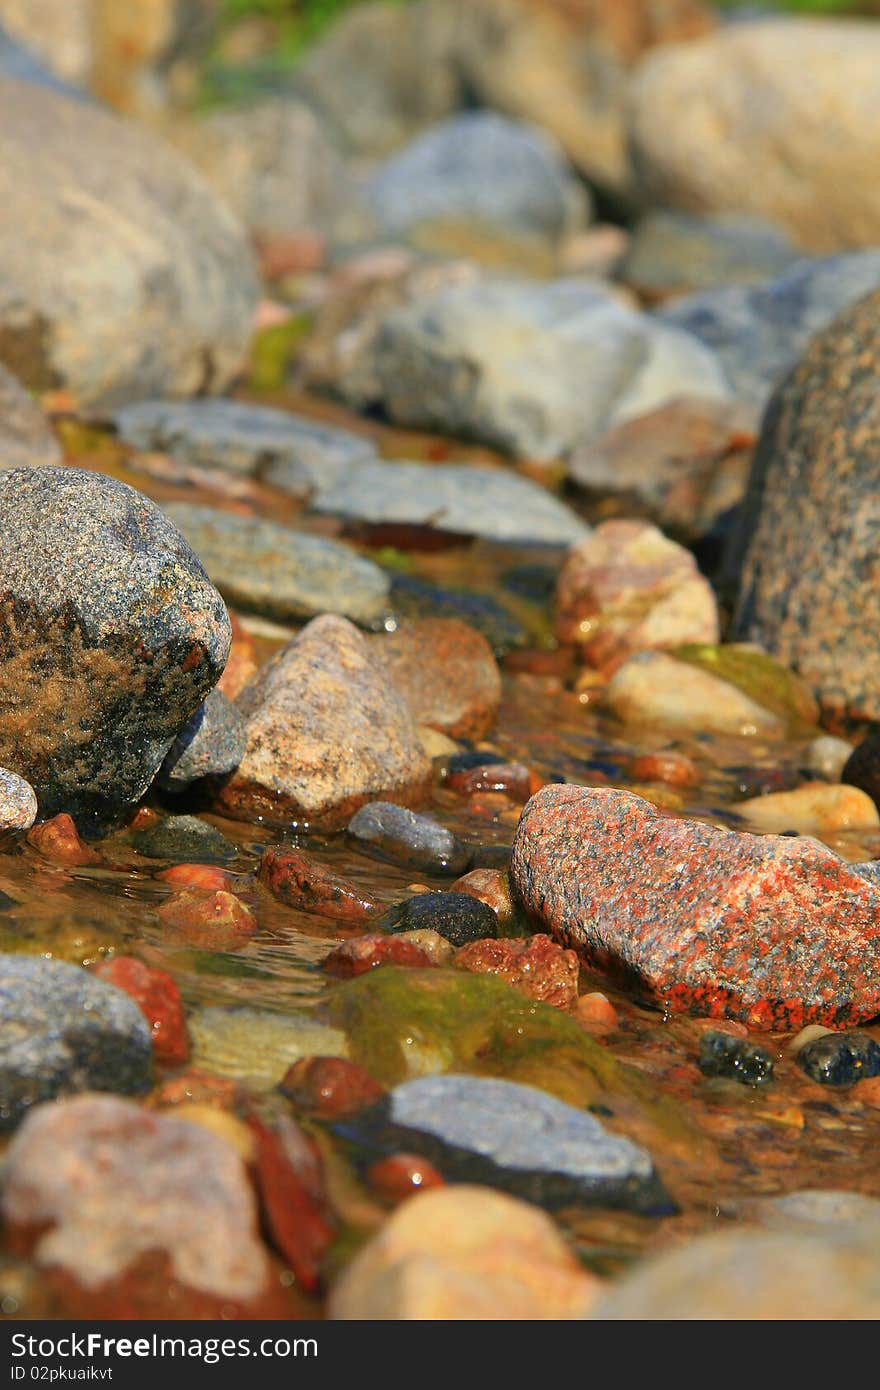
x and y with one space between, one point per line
775 931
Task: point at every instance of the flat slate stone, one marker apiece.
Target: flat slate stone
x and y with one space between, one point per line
485 1130
266 568
63 1030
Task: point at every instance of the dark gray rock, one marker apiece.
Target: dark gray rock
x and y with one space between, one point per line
209 744
288 450
64 1031
264 567
675 252
840 1059
183 839
111 635
458 917
416 598
739 1059
26 438
388 831
485 1130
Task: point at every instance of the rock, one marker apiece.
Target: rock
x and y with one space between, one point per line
326 733
861 766
183 838
268 568
111 635
758 333
840 1059
745 1275
517 1138
673 252
210 743
446 672
481 168
464 499
686 462
491 887
812 809
628 588
765 680
56 30
811 1211
461 1253
537 966
436 947
413 598
258 1047
158 999
388 831
512 780
303 882
18 802
96 1184
209 921
532 369
811 503
273 164
329 1087
59 841
402 1175
457 917
158 291
242 664
655 689
65 1031
369 952
828 756
673 769
721 1054
704 116
254 440
777 932
26 437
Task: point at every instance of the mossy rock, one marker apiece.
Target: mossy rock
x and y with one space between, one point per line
760 676
273 351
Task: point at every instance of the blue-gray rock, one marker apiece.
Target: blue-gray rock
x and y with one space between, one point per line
288 450
388 831
676 252
264 567
759 332
485 1130
18 802
111 635
63 1030
482 168
183 839
209 744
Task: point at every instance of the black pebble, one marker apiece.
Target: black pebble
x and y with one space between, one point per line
721 1054
840 1059
458 917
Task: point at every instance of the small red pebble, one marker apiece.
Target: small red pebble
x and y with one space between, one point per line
367 952
597 1011
216 921
58 840
401 1176
538 662
672 768
158 999
144 818
513 779
302 882
195 1085
204 876
330 1087
295 1225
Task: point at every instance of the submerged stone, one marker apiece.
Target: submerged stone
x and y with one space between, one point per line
762 678
721 1054
840 1059
392 832
458 917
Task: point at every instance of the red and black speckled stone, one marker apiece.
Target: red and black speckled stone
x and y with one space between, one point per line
777 932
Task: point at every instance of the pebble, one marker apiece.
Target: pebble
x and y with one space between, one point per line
388 831
65 1031
59 841
840 1059
415 598
18 802
736 1058
537 966
329 1087
816 808
158 998
510 779
654 689
446 672
184 838
210 744
827 757
368 952
436 947
492 887
217 921
401 1175
302 881
673 769
256 1046
457 917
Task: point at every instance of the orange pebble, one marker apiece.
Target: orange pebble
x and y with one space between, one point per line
401 1176
597 1010
216 921
206 876
58 840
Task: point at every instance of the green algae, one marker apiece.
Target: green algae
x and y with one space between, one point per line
272 353
760 676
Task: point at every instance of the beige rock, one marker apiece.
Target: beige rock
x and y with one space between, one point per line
490 886
812 809
436 947
435 744
652 688
628 588
773 118
445 671
464 1253
60 31
827 755
26 437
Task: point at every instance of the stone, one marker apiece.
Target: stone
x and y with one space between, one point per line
51 32
210 743
464 1252
655 689
481 168
18 802
158 291
812 809
466 500
258 1047
671 768
517 1138
369 952
828 756
861 765
533 369
492 887
301 881
96 1184
208 921
26 437
65 1031
242 664
115 607
674 253
811 1210
183 838
457 917
840 1059
284 574
386 830
759 332
721 1054
773 931
512 780
399 1176
629 588
326 733
59 841
806 540
413 598
770 683
158 998
537 966
446 672
329 1087
704 116
253 440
